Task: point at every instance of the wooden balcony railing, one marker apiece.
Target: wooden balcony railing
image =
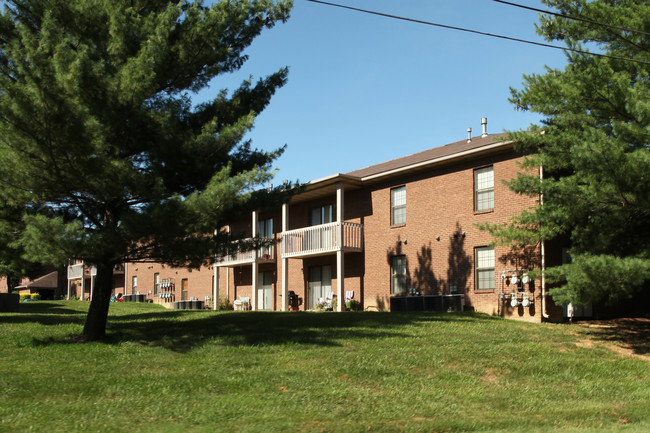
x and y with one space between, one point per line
322 239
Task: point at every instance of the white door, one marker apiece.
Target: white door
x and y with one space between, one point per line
265 290
320 284
318 216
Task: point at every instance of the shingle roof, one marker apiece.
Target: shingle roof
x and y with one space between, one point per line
428 155
47 281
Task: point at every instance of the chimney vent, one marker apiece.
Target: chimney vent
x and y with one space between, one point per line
469 135
484 125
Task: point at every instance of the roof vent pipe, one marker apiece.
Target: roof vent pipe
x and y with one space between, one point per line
469 135
484 125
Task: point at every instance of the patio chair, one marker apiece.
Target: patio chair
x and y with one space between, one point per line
242 303
328 298
349 295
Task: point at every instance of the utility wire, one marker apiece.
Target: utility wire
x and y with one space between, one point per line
493 35
569 17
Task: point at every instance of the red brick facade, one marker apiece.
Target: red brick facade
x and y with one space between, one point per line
437 241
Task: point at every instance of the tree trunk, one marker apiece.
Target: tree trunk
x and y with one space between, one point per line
95 326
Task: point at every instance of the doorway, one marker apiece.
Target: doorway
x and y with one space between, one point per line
320 284
265 290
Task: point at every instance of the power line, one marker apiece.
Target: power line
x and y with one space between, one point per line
569 17
493 35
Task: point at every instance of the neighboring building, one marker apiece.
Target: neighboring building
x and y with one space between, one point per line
379 234
50 285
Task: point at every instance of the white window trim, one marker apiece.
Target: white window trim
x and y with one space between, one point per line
485 190
484 264
394 207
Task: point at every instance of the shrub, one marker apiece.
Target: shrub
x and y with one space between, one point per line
224 303
35 296
353 305
322 306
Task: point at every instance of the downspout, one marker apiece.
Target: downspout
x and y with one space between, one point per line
543 250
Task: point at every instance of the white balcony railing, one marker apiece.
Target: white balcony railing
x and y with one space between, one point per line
322 239
75 271
264 254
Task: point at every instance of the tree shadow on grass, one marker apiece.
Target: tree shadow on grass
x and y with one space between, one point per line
184 331
632 334
44 313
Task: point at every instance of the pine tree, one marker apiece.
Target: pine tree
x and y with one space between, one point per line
593 145
102 147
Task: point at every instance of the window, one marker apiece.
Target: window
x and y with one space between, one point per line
184 289
265 228
484 260
398 275
265 231
484 188
134 285
156 283
321 215
398 205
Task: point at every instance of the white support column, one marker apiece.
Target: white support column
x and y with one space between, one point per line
68 276
285 261
215 289
340 258
92 285
228 284
255 266
83 280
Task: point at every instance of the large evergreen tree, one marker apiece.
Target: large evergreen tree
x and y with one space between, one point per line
593 145
101 146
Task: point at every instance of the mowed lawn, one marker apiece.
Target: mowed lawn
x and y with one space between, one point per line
195 371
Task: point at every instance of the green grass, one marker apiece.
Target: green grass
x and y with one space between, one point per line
173 371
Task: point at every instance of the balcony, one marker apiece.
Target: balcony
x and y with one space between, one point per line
322 239
76 271
264 255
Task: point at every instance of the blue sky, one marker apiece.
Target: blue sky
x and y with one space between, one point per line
364 89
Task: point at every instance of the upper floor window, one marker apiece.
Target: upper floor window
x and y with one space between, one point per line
398 205
265 228
484 188
321 215
484 264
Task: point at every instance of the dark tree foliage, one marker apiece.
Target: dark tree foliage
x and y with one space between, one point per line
102 150
593 145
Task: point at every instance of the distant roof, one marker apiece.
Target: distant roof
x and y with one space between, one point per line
48 281
437 153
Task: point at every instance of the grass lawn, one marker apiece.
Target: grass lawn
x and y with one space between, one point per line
195 371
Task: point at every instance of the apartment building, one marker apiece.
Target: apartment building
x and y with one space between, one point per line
400 235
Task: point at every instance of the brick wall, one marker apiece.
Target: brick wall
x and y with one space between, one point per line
438 241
